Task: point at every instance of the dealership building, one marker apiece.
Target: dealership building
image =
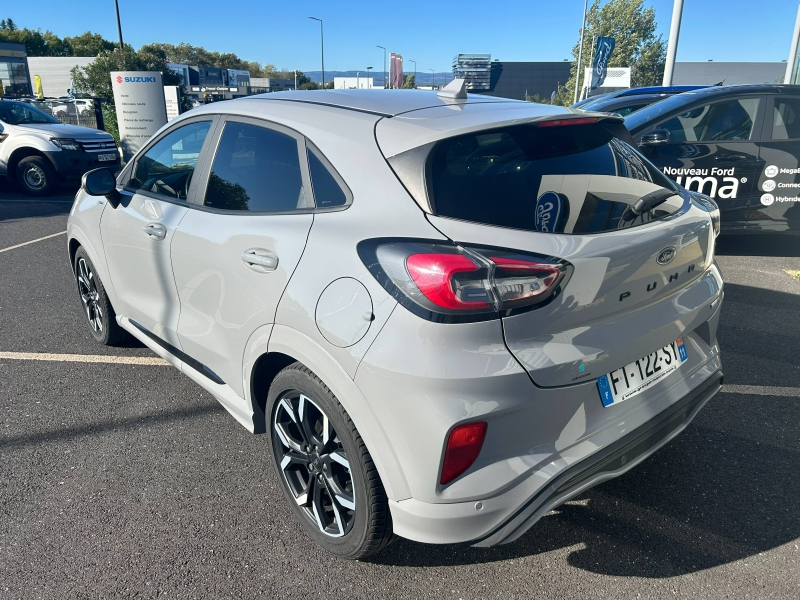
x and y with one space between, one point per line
14 75
528 80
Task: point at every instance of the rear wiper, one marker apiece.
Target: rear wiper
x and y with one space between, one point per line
649 201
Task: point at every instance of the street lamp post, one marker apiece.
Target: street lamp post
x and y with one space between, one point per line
433 81
384 65
358 77
322 48
295 80
369 80
415 71
119 27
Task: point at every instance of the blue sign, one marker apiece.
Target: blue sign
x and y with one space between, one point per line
551 211
605 46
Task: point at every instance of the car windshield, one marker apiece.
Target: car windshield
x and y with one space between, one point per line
649 113
18 113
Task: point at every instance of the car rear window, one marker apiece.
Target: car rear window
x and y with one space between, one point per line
564 179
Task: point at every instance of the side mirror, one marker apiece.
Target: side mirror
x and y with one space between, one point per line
101 182
655 138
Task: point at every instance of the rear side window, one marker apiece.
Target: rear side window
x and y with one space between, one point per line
255 169
786 119
567 179
723 121
327 191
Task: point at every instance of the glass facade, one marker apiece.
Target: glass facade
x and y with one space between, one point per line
14 75
476 69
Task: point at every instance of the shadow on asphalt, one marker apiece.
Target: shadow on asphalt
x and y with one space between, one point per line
724 490
16 205
759 245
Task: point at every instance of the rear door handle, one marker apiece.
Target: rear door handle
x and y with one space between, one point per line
260 260
155 230
732 157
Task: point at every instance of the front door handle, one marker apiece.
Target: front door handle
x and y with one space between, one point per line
260 260
732 157
155 230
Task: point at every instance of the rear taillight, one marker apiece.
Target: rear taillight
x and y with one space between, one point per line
451 283
463 446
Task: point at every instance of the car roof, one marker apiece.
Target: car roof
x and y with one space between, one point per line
385 103
642 118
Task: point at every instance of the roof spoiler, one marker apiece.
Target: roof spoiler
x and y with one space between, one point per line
455 90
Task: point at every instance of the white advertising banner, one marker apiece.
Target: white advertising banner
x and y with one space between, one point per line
172 98
141 107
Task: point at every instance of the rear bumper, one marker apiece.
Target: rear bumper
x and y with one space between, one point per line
504 518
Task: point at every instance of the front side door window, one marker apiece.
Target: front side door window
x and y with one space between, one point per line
712 149
167 167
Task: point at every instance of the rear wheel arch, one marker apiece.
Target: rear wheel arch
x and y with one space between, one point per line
288 346
265 369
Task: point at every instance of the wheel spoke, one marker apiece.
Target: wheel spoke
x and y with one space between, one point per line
339 494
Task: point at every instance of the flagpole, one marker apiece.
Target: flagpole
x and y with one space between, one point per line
580 53
591 60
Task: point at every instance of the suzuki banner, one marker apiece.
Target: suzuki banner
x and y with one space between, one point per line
141 108
604 48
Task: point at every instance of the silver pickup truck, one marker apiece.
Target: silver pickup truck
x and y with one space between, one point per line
37 150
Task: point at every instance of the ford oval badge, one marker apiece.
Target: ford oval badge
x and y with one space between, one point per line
666 255
551 212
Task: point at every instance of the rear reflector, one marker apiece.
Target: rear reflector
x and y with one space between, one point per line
463 446
564 122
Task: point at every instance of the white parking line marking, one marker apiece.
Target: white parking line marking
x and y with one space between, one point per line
86 358
47 237
762 390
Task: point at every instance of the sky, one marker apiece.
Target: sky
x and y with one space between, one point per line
431 32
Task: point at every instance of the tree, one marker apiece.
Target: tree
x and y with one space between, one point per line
95 78
89 44
410 82
633 27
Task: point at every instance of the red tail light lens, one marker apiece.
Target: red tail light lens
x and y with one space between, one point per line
446 283
463 446
436 277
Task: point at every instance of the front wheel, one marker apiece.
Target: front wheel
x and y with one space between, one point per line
325 470
96 305
36 176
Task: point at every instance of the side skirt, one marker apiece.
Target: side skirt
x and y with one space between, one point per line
237 406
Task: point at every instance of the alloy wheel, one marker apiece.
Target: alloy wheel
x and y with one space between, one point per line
90 296
35 177
314 464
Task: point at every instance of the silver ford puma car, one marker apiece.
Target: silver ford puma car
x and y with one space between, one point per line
448 313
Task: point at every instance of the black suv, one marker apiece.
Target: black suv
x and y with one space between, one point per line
739 144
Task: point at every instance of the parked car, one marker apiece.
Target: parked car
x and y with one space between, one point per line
624 102
739 144
447 314
38 151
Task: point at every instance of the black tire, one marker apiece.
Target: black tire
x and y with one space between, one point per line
100 315
350 534
36 176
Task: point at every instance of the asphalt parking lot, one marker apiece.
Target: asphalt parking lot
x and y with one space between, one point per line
126 480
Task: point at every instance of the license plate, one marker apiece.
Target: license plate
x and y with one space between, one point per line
106 157
641 374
